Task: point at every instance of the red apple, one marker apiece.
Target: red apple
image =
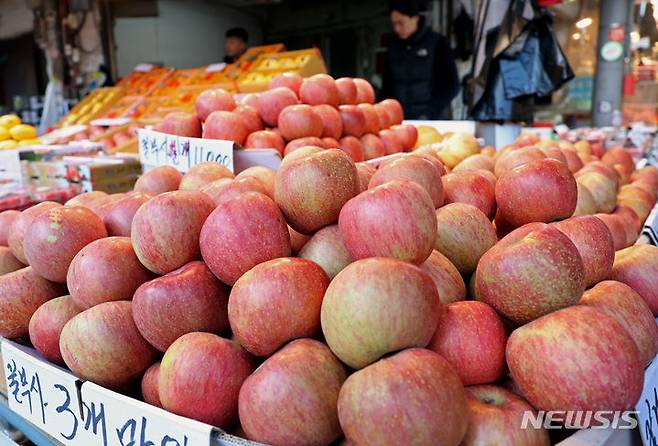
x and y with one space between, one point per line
275 302
617 155
471 337
118 220
263 174
393 109
265 139
365 171
241 233
200 378
6 220
165 230
332 124
637 267
377 306
464 234
149 387
496 416
319 89
250 117
415 168
295 144
181 124
228 126
595 245
186 300
299 121
291 398
330 143
619 301
364 91
353 147
270 104
354 120
46 326
470 187
326 248
532 271
391 140
408 135
297 240
629 216
372 120
21 223
446 278
590 347
556 154
159 180
202 174
8 262
225 189
617 228
603 169
395 219
102 345
346 91
56 236
311 189
373 147
574 163
585 205
413 397
97 201
288 79
475 162
542 190
213 100
105 270
511 159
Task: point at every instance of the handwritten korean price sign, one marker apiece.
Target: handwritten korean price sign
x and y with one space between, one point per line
651 226
41 393
647 406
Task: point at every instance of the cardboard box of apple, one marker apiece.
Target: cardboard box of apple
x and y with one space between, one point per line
328 302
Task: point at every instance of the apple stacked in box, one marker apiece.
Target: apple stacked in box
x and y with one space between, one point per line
328 301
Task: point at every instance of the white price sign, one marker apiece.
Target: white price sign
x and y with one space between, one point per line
216 67
44 394
651 226
144 67
10 165
122 421
161 149
647 406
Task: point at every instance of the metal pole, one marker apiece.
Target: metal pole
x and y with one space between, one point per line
611 49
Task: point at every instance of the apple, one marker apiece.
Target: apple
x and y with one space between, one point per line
594 243
377 306
181 124
474 162
22 292
270 104
471 337
457 147
574 163
159 180
263 174
250 117
408 135
299 121
413 397
6 220
515 158
319 89
213 100
97 201
470 187
102 345
585 205
8 262
200 378
638 204
185 300
241 233
617 155
149 387
366 222
449 283
16 234
556 154
330 143
603 169
393 109
353 147
288 79
46 326
326 248
311 189
391 140
415 168
617 227
591 347
275 302
372 120
364 91
105 270
643 183
118 220
532 271
629 216
619 301
383 117
496 416
464 234
202 174
225 189
332 124
265 139
298 153
297 240
224 125
637 267
56 236
165 230
373 147
296 144
291 398
354 120
346 91
365 171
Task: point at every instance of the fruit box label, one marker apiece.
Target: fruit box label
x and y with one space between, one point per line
651 226
647 406
112 419
43 394
10 165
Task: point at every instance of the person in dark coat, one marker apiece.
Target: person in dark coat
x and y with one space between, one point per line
420 69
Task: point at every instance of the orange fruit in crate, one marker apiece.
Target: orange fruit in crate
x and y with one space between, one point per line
4 133
9 120
23 131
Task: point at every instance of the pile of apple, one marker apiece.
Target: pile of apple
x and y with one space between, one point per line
296 112
328 301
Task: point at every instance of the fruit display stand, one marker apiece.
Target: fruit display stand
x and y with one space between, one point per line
94 105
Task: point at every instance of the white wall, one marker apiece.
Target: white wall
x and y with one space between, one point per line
186 34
